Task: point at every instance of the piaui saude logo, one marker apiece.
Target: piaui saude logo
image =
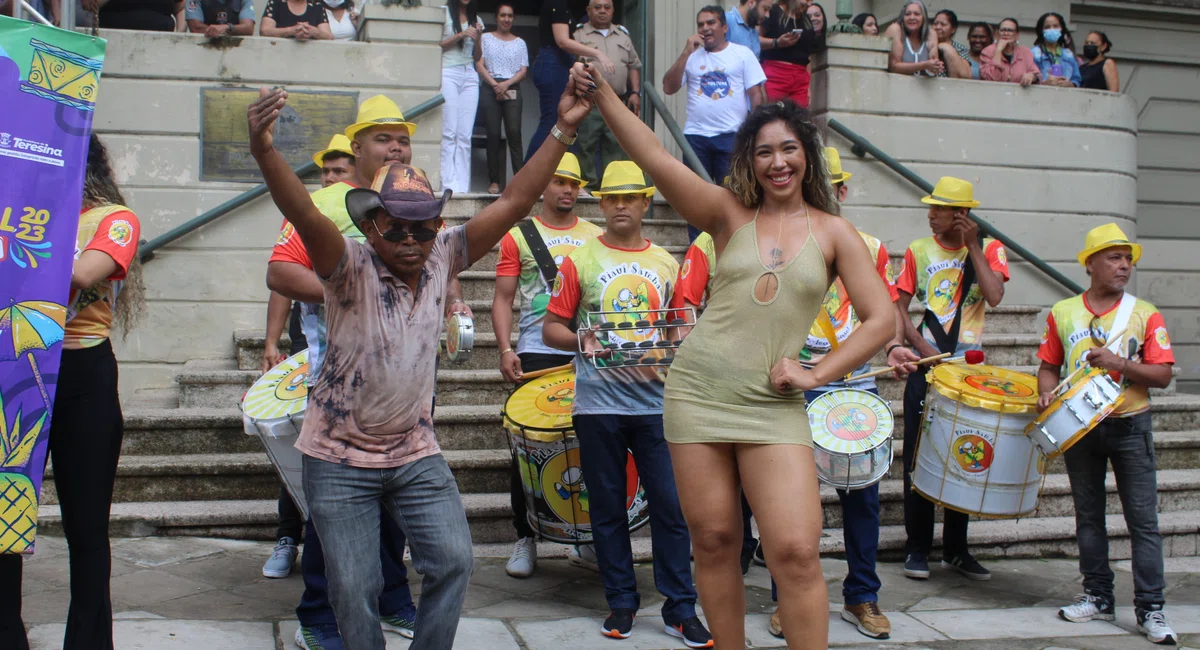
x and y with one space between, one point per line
120 232
635 292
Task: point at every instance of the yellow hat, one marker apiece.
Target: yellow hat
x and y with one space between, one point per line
624 177
568 168
338 143
377 111
954 192
834 160
1107 236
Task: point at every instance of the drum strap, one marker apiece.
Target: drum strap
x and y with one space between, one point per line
541 254
1121 320
947 341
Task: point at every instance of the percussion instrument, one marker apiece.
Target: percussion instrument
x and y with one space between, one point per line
852 437
460 337
973 455
538 418
273 410
1074 413
632 339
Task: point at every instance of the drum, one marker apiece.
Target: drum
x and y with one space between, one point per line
1075 412
538 418
973 455
460 337
273 410
852 436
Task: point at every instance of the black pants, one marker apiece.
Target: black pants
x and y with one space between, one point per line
85 443
918 511
291 521
494 111
530 362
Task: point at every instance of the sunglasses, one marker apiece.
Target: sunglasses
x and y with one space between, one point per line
420 235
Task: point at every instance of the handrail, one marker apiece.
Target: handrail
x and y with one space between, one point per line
689 154
862 147
146 249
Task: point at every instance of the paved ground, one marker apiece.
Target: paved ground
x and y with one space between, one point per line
186 592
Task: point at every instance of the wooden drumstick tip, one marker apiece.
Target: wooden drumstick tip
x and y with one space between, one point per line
884 371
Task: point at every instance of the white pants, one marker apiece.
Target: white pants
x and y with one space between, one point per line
460 87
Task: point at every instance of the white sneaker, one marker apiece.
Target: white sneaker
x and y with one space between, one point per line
524 558
584 556
1154 625
1088 608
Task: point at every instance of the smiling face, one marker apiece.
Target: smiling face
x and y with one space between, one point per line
709 26
979 39
914 17
379 146
504 18
779 161
404 258
816 17
623 212
1110 268
561 195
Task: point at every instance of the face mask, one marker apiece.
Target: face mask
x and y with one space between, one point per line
1050 35
334 4
1090 51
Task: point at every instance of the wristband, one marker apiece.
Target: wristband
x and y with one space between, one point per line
888 352
776 43
635 92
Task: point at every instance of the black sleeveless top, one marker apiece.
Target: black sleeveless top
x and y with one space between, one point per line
1092 75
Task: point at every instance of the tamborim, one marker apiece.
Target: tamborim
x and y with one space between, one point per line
1075 412
460 337
273 410
852 436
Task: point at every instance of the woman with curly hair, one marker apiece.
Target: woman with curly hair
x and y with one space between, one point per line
734 409
87 426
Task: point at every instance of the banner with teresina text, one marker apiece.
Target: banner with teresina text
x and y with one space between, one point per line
49 79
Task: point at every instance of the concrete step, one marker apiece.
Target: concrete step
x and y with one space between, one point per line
180 431
207 383
249 346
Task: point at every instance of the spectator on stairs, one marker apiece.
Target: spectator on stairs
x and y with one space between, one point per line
461 33
816 16
955 55
302 20
867 23
342 18
979 36
144 15
788 43
1098 72
1052 52
503 65
217 18
914 44
1006 59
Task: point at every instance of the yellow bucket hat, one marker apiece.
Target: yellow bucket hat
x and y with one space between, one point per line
1109 235
377 111
954 192
568 168
834 160
624 177
338 143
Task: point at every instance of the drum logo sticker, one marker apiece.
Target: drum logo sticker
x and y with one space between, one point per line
851 421
293 386
998 386
557 398
973 452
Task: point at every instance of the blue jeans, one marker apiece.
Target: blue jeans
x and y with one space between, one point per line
604 444
714 153
1129 445
422 497
396 599
860 529
551 71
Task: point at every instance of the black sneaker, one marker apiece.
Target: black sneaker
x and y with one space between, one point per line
619 624
966 565
916 566
759 558
693 633
748 557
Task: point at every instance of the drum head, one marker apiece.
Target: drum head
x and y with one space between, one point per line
850 420
987 387
541 408
283 391
460 337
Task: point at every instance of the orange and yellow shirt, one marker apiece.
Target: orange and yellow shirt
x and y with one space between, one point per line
113 230
841 312
1068 338
699 266
933 274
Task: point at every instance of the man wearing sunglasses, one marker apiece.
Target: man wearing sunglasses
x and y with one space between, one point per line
368 437
1105 327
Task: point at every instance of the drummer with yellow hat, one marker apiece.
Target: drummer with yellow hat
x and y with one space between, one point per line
615 409
336 161
1106 327
935 270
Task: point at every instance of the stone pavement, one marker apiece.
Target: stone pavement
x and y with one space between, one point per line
191 592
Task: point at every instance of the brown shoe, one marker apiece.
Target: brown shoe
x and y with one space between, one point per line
868 619
776 628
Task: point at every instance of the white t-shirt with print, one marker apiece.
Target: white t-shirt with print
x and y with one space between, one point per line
716 84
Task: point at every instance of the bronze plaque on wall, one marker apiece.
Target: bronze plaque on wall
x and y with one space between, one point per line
305 126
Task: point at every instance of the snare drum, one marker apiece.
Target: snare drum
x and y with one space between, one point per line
1075 412
973 455
538 418
852 437
460 337
273 410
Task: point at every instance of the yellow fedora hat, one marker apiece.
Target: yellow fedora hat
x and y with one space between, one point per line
568 168
954 192
377 111
624 177
1109 235
338 143
834 160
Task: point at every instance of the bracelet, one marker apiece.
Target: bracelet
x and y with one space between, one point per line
457 300
635 92
776 43
505 351
891 347
562 137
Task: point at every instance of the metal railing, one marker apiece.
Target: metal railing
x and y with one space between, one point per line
689 154
146 248
862 147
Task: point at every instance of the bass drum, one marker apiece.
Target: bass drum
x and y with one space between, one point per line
273 410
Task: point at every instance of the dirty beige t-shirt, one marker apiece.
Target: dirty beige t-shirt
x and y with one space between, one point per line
371 406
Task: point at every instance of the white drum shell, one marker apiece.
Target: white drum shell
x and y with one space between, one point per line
279 436
1062 427
853 471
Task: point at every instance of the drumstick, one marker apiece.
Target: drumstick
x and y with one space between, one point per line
884 371
1083 367
538 373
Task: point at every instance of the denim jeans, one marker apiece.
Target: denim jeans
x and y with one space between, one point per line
551 71
423 498
918 511
1129 445
604 444
460 87
714 153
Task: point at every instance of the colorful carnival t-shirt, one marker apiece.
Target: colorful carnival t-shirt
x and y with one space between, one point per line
842 316
699 266
932 274
113 230
516 260
331 201
597 277
1068 338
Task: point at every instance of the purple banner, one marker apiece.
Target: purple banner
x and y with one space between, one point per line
48 84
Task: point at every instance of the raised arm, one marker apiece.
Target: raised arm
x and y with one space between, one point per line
673 79
704 205
320 236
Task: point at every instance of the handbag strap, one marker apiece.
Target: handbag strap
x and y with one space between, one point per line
541 254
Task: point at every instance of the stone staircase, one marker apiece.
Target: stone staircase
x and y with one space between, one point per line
187 467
